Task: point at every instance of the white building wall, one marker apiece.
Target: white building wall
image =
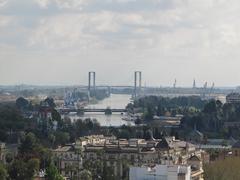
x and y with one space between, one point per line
159 172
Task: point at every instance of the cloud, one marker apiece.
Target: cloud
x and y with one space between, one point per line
43 3
63 4
5 21
3 3
105 28
179 32
182 24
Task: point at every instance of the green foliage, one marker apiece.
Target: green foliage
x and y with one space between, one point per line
56 116
28 144
85 175
95 167
11 120
52 173
81 127
21 169
22 103
212 118
148 114
163 103
50 102
31 148
153 105
62 137
227 169
3 172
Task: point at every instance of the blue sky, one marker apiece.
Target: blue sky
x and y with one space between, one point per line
59 41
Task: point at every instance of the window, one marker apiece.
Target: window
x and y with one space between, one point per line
132 157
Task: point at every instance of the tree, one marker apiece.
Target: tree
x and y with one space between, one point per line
52 173
50 102
56 116
11 121
3 172
85 175
222 170
52 139
148 114
28 144
32 166
22 103
21 169
210 107
62 137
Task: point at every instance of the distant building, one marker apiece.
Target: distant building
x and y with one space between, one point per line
68 160
161 172
196 167
233 98
45 116
138 152
167 121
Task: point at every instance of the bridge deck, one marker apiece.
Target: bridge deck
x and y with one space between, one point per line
90 110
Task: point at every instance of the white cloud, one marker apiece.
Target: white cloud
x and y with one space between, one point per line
5 20
176 32
64 4
65 31
3 3
72 4
43 3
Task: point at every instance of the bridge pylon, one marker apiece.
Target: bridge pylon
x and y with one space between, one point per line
137 83
92 83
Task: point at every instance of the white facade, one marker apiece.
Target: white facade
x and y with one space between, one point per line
233 98
160 172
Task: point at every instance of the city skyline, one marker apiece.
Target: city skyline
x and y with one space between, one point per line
57 42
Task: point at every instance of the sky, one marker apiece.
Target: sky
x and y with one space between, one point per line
56 42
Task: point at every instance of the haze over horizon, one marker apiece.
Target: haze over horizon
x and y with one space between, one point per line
56 42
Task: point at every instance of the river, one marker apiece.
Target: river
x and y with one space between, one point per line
115 101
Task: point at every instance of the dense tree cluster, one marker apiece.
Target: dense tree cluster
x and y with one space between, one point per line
11 122
223 169
207 116
160 106
80 127
31 157
212 118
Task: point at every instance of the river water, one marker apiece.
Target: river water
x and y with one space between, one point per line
115 101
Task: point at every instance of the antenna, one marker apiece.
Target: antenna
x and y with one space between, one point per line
194 84
175 83
212 88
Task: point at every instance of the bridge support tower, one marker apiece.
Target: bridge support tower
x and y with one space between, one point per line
137 83
92 83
